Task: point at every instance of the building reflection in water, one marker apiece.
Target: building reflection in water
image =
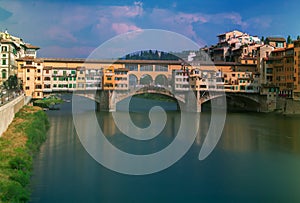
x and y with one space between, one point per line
258 132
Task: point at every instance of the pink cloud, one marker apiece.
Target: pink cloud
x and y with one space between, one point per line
127 11
120 28
60 34
68 52
235 18
191 18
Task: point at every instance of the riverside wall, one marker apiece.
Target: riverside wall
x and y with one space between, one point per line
287 106
291 107
8 111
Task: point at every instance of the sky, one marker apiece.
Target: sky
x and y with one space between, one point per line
74 28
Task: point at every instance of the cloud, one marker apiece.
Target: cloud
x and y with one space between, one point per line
60 34
120 28
65 52
72 24
4 14
260 22
127 11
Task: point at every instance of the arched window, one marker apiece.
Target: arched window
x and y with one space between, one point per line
4 48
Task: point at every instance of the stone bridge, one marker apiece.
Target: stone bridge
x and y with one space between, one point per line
107 100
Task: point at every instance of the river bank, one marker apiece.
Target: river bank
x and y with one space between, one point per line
17 147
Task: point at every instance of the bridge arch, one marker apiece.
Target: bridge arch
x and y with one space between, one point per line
161 80
207 97
150 90
146 79
133 80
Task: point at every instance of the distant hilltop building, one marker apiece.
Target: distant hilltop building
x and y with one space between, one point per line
277 62
191 56
12 48
234 46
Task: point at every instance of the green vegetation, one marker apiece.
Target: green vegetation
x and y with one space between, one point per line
159 97
151 55
18 144
48 102
12 83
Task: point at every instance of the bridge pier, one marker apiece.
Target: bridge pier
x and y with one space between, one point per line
192 103
106 103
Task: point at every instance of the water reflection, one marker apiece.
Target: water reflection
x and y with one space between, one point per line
256 160
259 132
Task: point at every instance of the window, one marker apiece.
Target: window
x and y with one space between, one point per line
73 72
47 71
279 44
64 72
28 78
55 72
39 70
3 55
146 68
28 62
3 74
163 68
132 67
3 61
27 88
4 48
28 70
38 78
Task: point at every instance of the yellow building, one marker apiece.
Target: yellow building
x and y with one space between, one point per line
109 78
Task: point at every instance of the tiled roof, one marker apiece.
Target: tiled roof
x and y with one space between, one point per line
276 39
29 46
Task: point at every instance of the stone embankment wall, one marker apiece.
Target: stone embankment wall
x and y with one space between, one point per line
287 106
7 112
291 107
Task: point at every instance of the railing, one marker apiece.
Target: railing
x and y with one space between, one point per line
8 95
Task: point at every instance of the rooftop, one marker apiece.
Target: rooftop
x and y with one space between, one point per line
30 46
276 39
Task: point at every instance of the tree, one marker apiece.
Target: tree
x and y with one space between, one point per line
156 55
298 37
289 40
262 39
12 82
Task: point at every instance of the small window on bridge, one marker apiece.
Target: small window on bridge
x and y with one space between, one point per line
132 67
146 68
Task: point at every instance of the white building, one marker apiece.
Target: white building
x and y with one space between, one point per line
11 49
